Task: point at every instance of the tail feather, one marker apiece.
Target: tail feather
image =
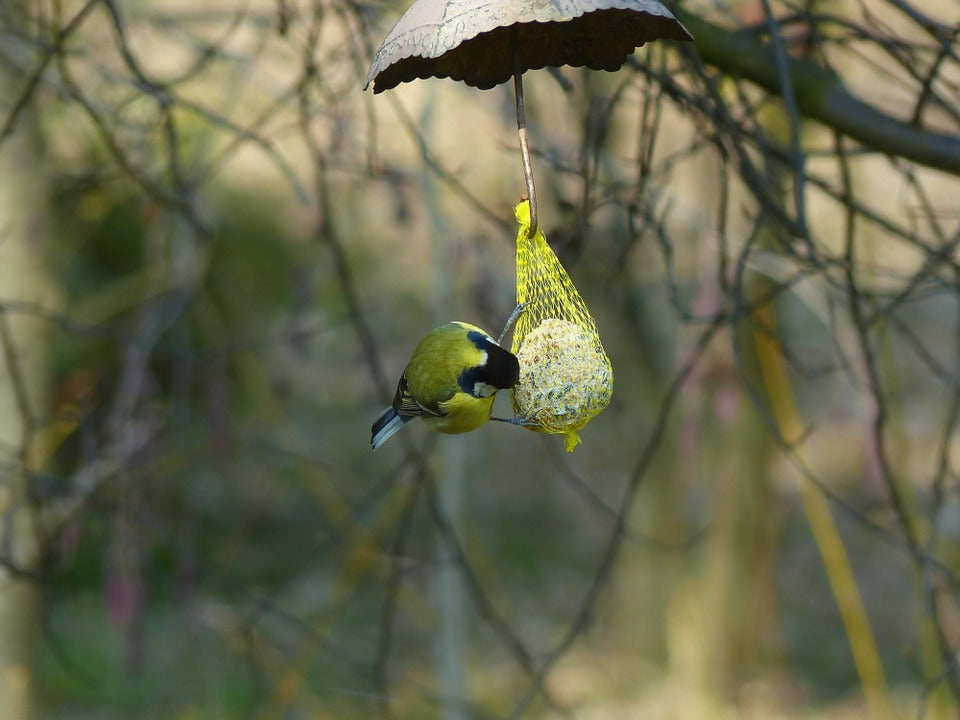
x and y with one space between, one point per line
386 425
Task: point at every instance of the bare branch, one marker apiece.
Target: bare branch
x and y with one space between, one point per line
821 95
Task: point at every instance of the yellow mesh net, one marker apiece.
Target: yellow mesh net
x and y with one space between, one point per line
565 376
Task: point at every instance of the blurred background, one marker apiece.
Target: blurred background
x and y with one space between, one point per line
217 254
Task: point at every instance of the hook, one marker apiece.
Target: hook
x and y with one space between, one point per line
522 132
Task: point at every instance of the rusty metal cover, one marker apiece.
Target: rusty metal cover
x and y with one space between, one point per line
472 40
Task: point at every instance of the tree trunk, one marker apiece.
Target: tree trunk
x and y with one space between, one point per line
23 345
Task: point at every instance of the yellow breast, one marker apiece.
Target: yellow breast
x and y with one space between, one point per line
461 413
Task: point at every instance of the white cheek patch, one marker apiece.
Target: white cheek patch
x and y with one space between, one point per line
481 389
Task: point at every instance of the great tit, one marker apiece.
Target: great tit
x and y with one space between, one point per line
450 382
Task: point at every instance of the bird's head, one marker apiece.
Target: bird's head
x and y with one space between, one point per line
498 369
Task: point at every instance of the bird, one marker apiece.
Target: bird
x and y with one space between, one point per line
450 382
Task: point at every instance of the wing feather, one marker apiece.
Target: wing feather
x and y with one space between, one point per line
406 405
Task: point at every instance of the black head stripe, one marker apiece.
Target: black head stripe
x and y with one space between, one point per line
479 339
470 379
501 370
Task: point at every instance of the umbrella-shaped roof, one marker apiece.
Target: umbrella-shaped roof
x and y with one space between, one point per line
476 40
